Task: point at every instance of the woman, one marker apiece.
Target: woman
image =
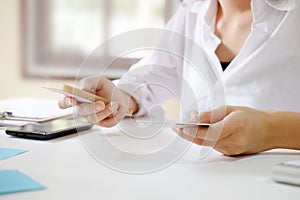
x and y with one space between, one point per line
257 44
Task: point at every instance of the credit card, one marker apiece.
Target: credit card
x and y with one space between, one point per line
172 124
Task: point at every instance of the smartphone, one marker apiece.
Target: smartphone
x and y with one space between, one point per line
78 94
49 130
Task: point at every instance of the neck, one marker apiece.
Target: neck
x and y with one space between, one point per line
232 7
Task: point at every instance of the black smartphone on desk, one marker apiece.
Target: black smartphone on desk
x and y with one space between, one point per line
48 130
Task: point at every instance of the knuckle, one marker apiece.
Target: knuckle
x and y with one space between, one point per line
204 116
83 82
241 125
61 104
86 109
89 119
93 118
107 125
117 118
79 110
105 113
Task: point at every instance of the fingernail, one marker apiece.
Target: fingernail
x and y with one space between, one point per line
69 102
114 107
99 107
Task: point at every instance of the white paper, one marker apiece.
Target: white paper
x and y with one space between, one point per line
33 108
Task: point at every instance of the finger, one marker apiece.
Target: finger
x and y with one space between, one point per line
67 102
216 118
208 137
85 109
229 146
201 135
232 143
89 84
195 131
223 129
212 133
113 120
96 118
215 115
92 84
187 137
108 122
216 131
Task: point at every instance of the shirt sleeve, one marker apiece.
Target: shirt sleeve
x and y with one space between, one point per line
156 77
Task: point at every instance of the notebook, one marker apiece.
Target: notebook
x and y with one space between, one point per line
20 110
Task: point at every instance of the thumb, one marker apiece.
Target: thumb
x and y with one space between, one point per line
215 115
89 84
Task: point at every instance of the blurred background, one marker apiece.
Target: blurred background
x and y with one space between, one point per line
46 40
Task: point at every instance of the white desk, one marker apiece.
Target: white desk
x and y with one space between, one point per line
68 171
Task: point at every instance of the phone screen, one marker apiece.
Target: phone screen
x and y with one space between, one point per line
49 130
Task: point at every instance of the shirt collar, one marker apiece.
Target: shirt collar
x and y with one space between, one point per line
282 5
208 8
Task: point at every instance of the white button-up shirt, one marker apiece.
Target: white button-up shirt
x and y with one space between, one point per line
264 75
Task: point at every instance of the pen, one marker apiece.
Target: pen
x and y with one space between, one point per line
7 115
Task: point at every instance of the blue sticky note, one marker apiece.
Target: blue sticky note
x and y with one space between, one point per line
14 181
7 153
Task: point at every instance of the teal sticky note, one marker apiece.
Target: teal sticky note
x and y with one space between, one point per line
12 181
7 153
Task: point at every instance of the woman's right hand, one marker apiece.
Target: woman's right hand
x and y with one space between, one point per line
98 113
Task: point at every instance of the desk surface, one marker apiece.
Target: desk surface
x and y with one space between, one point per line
68 171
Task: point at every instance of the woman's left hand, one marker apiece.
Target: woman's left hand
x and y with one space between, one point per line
234 130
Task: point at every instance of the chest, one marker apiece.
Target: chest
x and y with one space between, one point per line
232 33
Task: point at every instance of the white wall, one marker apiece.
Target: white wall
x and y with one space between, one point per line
12 83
